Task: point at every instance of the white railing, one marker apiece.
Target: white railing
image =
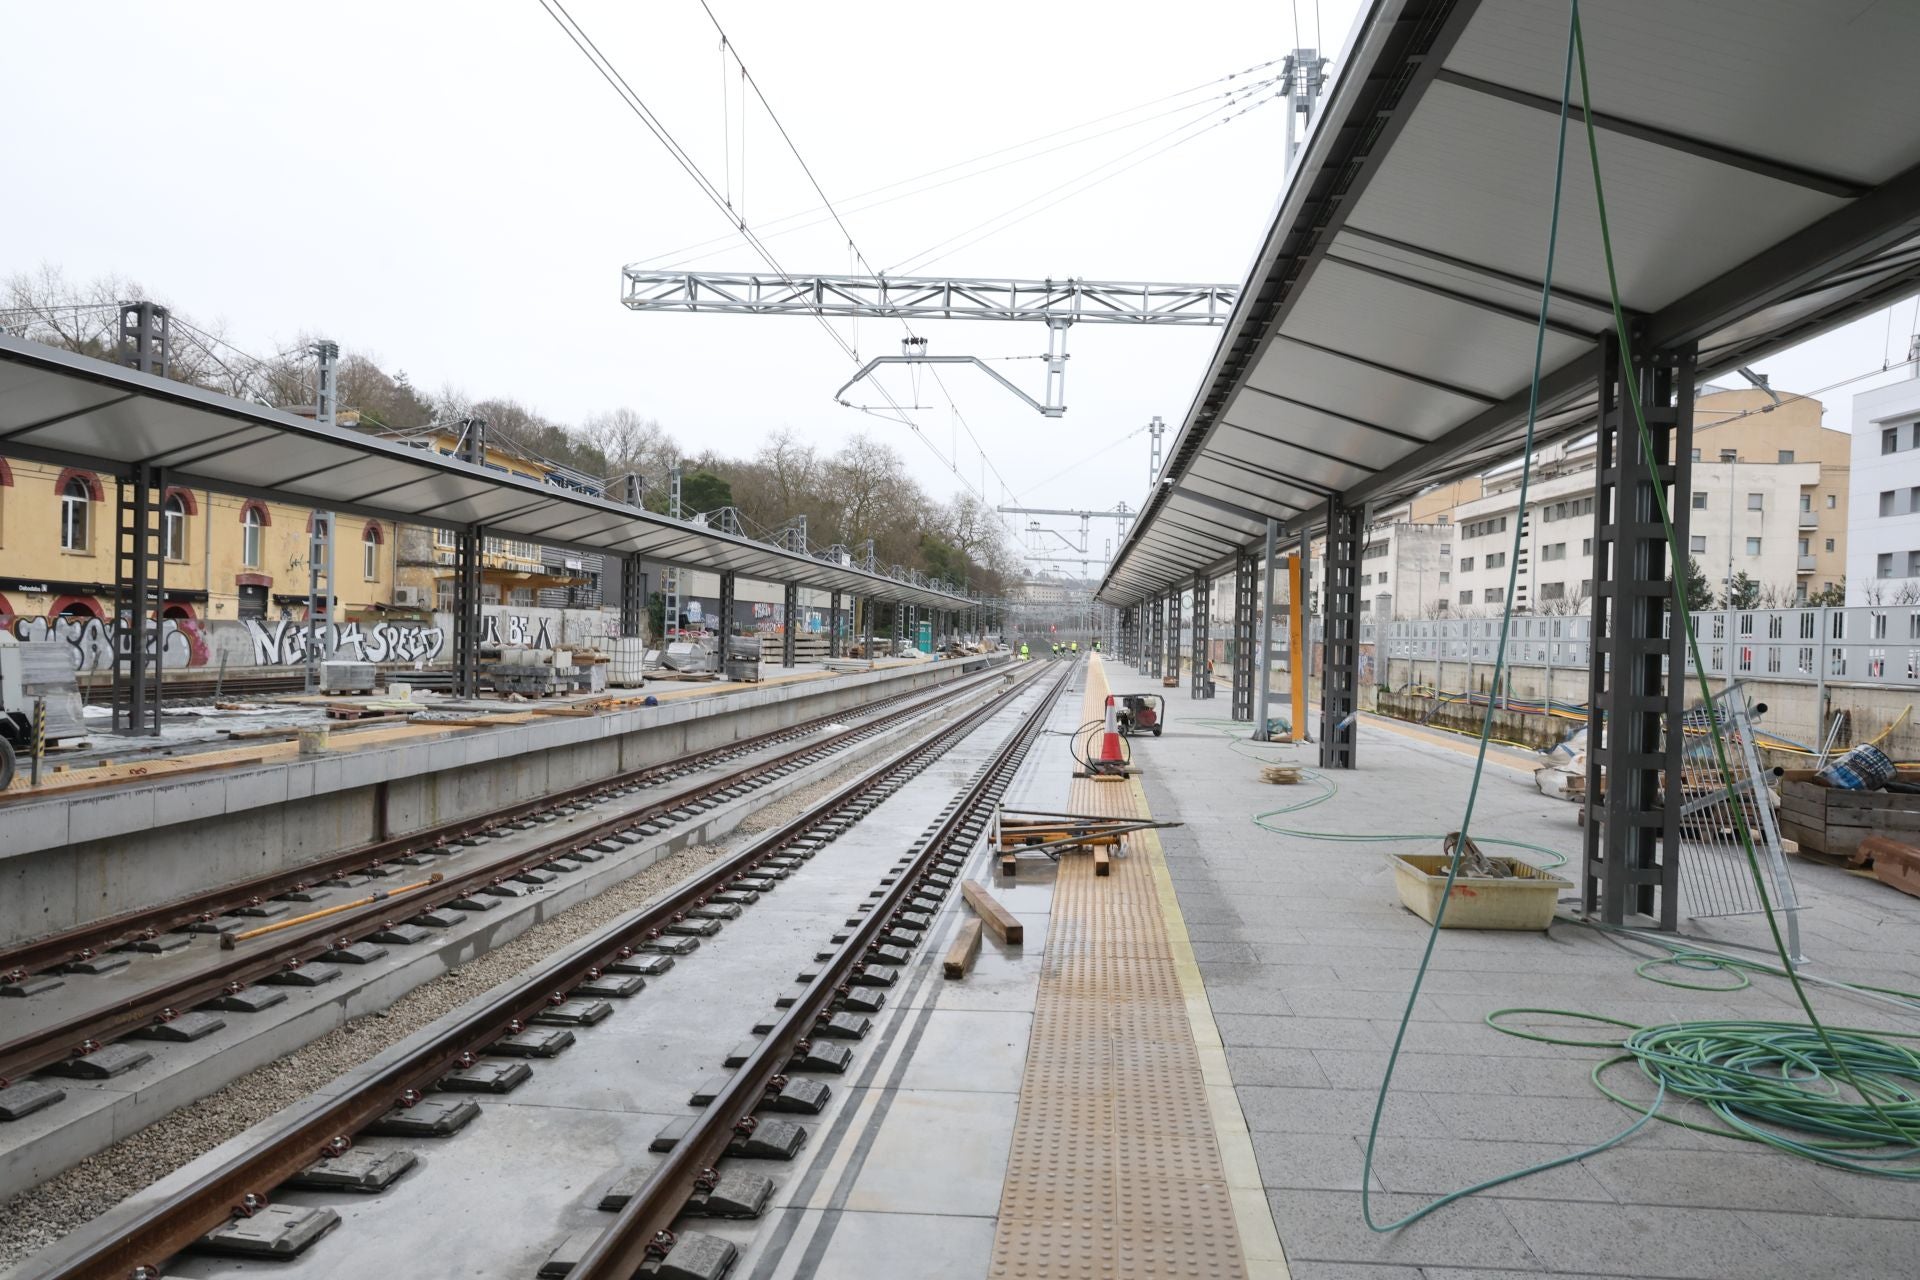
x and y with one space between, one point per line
1868 644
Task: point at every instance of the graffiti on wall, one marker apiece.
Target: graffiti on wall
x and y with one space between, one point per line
182 641
285 645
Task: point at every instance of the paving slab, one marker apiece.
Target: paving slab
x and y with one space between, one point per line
1308 959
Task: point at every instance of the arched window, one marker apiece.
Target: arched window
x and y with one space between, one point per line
75 510
173 528
253 520
370 552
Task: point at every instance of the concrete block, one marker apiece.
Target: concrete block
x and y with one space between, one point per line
97 817
254 789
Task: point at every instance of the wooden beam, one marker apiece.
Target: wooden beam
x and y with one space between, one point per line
1102 861
966 946
1005 925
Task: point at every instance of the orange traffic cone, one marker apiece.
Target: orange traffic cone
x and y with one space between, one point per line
1110 749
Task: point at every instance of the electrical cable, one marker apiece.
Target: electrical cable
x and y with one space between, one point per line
1486 730
1753 1075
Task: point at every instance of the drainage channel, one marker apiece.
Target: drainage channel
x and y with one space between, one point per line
424 1088
185 1023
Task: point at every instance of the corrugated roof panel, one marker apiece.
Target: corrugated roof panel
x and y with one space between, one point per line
1423 333
1473 175
1694 68
1263 415
1330 382
87 413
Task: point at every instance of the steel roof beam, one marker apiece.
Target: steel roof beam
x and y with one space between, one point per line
1778 170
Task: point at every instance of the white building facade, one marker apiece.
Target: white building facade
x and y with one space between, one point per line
1883 536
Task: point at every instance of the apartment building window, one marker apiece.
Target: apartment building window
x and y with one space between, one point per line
1886 502
1496 560
1586 546
1913 564
253 519
1366 579
1484 528
1883 566
1756 501
1586 586
1829 546
1696 455
1697 544
1806 547
1699 500
523 596
1553 591
75 510
1786 455
1466 564
1806 502
1753 546
1383 577
1800 593
1366 606
1466 597
1833 500
1890 440
1445 577
443 594
370 542
1495 595
1554 551
173 528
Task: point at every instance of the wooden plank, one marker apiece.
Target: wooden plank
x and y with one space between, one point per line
966 946
1102 861
1005 925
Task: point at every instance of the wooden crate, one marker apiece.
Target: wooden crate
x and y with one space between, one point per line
1834 822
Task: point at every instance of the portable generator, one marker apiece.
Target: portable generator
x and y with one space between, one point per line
1141 713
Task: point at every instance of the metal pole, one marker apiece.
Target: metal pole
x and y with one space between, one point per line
1264 646
39 740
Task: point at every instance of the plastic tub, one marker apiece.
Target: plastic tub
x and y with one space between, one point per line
1526 901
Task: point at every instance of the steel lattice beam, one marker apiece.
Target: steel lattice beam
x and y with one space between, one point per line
930 298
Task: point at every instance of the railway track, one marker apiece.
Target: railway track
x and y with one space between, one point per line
281 956
531 1018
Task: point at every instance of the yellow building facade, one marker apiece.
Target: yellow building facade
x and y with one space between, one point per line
227 558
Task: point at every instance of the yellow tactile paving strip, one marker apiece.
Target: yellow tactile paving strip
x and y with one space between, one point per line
1125 1160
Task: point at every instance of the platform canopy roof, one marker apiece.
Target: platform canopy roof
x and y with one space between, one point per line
1762 176
72 410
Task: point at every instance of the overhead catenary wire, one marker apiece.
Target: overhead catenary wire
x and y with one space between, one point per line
1193 129
859 257
635 104
773 226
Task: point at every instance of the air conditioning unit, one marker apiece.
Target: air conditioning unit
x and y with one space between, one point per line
410 597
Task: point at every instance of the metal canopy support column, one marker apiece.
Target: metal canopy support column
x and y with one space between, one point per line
467 545
790 623
725 622
320 594
1636 681
1263 641
1243 610
867 619
833 626
139 600
1340 610
1200 681
633 595
1173 636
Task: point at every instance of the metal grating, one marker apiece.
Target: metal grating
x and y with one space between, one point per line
1114 1169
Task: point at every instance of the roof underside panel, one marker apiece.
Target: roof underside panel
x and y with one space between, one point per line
81 412
1384 340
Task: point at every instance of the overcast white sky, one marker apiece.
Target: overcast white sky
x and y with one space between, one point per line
452 188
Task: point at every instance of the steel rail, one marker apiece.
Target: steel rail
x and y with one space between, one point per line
86 941
240 1185
640 1232
87 1031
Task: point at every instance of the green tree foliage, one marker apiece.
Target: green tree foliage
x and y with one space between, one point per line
702 490
1699 594
1743 592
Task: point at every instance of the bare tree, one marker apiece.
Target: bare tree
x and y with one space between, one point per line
635 444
